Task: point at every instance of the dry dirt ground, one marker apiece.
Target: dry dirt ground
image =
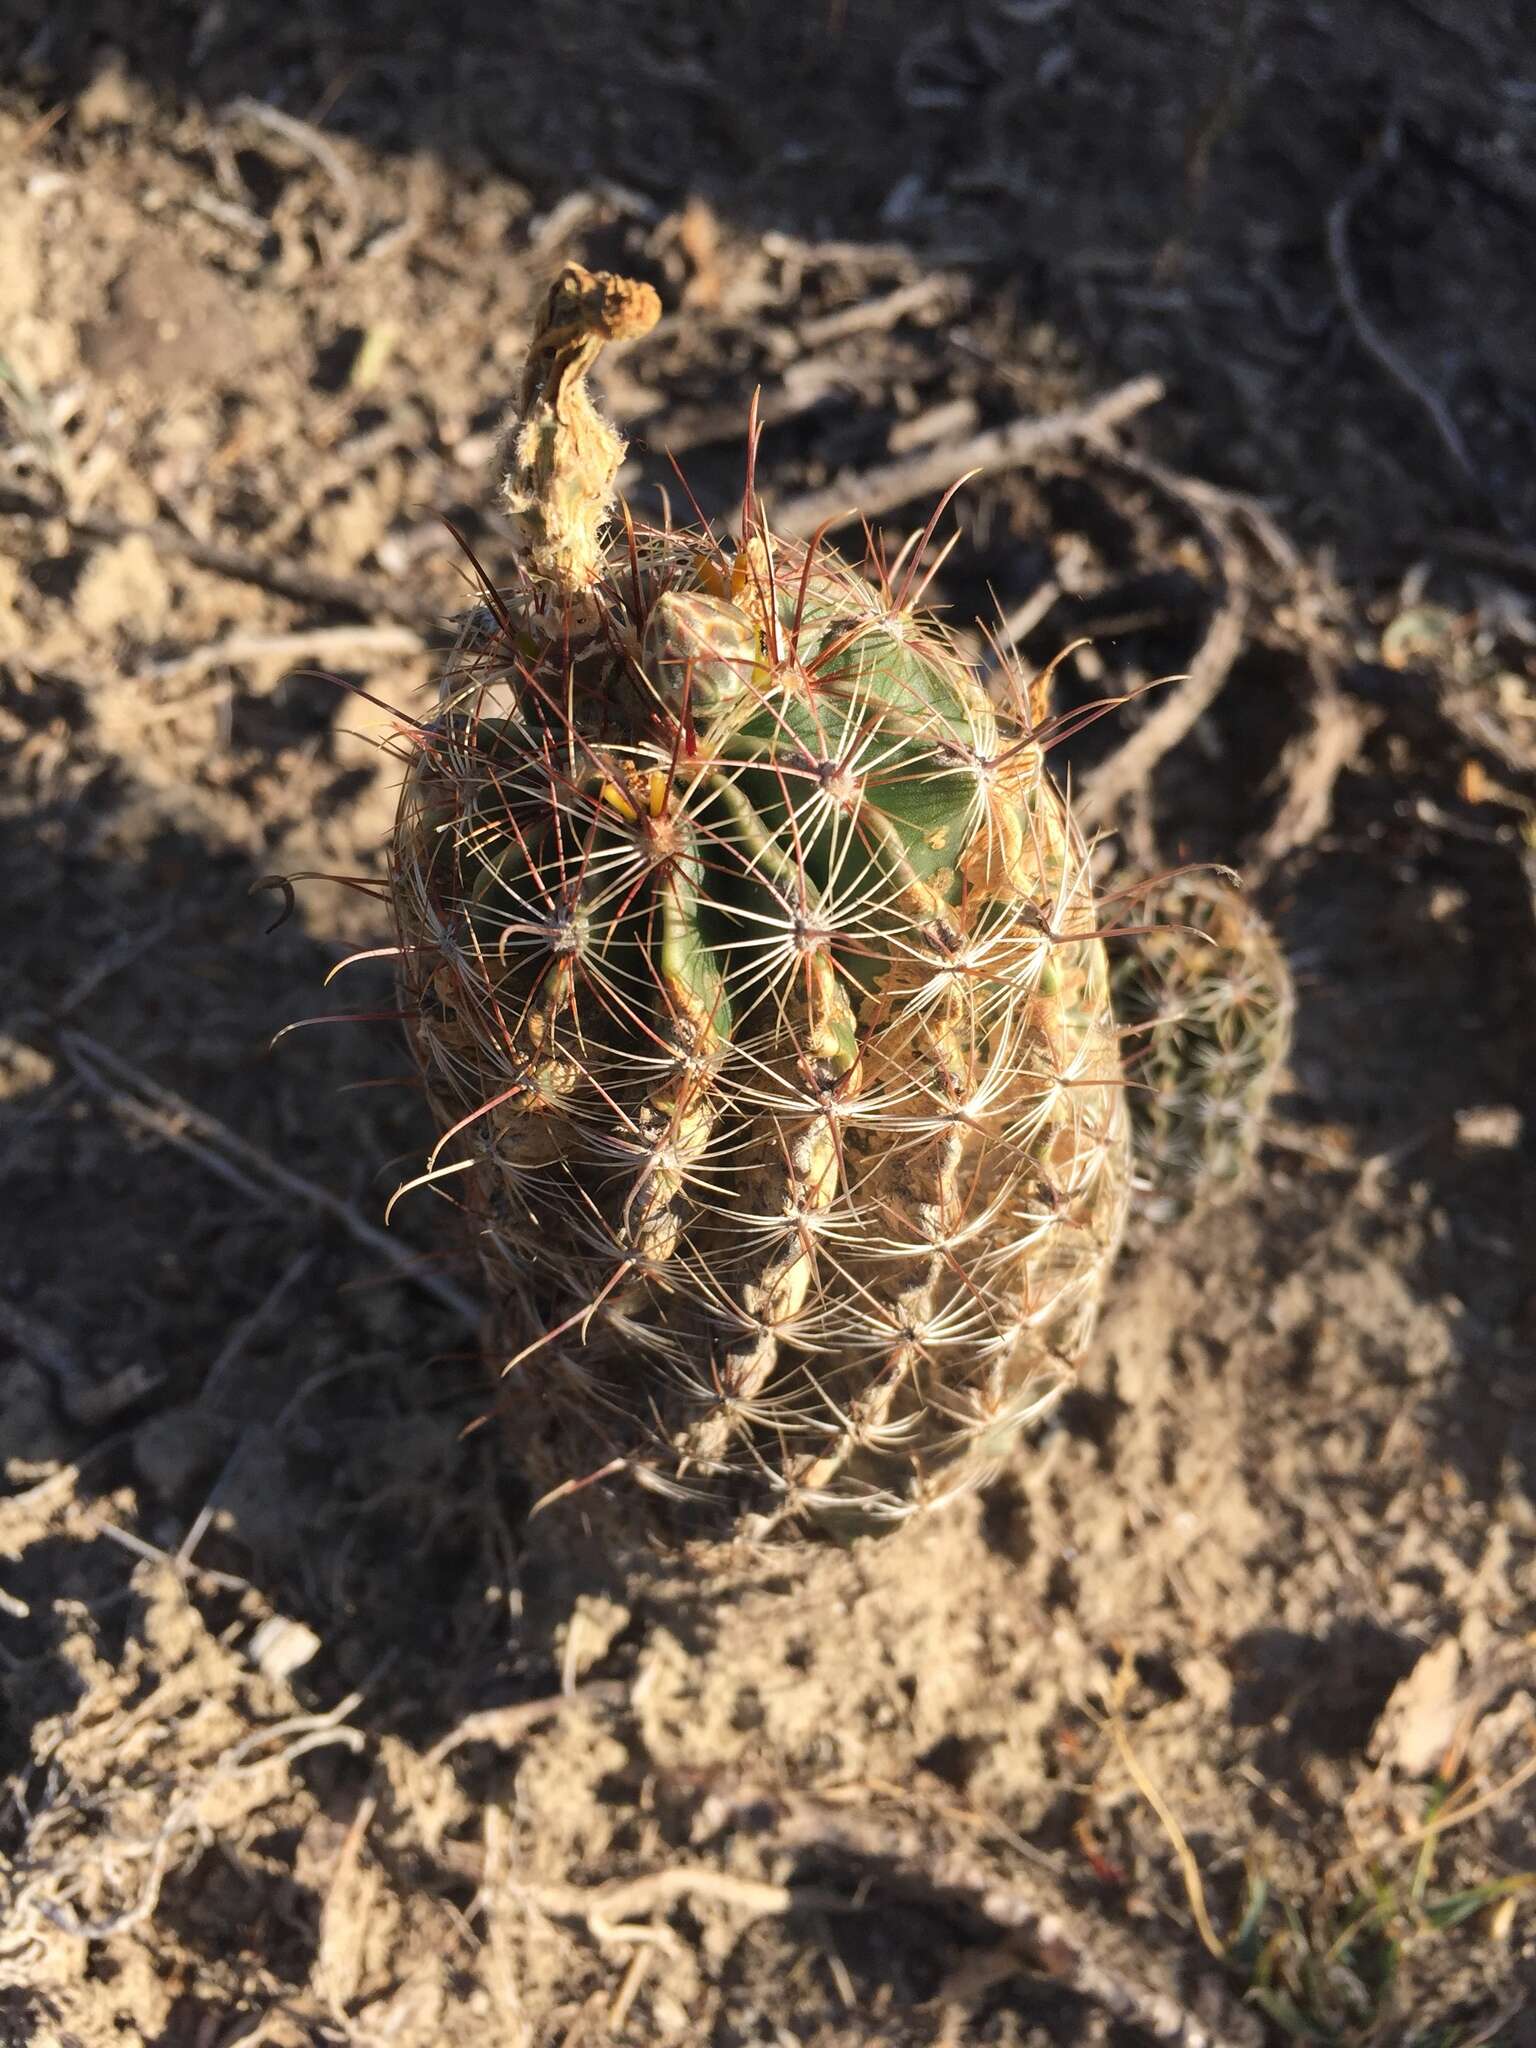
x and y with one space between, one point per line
306 1738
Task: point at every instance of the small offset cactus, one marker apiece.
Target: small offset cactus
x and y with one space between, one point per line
749 955
1205 1004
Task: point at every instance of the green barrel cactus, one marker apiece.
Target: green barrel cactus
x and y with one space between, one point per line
1206 1005
749 954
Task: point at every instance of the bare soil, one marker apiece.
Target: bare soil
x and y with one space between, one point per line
309 1737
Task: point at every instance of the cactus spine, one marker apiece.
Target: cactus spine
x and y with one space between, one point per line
750 960
1207 996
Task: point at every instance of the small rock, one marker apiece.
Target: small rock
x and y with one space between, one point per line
1417 1723
904 200
23 1069
1489 1127
1422 636
280 1646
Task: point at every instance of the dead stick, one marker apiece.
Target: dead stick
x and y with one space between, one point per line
1064 1947
347 593
1309 768
1104 787
607 1909
879 313
1486 551
242 1336
1370 337
178 1120
170 1127
506 1726
324 152
1020 622
1128 767
371 643
874 491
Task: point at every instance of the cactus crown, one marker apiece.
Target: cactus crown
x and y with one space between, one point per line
751 960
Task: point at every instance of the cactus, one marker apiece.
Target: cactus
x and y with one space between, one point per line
1206 997
749 956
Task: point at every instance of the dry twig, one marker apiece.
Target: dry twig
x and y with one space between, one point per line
1200 499
170 1116
608 1910
689 427
130 946
1308 770
304 135
181 1567
1504 558
45 1895
618 2011
87 1400
1127 768
874 491
345 593
875 315
372 643
907 1859
1107 785
1370 337
1021 621
244 1332
505 1726
40 1342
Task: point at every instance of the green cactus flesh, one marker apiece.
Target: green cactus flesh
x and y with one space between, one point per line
1206 1002
752 965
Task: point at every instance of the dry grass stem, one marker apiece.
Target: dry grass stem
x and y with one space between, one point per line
1194 1884
50 1882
